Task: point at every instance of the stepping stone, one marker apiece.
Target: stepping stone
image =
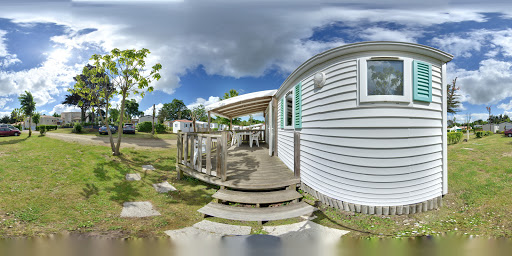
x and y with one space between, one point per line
148 168
164 187
132 176
222 229
306 231
138 210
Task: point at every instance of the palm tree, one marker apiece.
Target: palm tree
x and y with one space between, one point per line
28 106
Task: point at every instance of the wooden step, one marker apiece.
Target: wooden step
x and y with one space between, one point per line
257 214
257 197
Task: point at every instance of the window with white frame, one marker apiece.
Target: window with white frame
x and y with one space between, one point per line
385 79
288 111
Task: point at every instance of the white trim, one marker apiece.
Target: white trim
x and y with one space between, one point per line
285 112
363 86
445 123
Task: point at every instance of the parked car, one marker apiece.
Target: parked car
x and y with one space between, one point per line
103 129
129 128
6 131
10 126
508 132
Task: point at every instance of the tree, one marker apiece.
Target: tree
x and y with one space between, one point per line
490 116
36 117
28 106
126 70
132 109
56 115
5 119
173 111
76 100
453 102
230 94
114 114
94 86
17 115
153 123
198 113
226 121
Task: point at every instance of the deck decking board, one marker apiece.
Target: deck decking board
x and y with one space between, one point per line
257 214
257 197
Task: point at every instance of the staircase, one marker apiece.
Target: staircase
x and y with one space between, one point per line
260 206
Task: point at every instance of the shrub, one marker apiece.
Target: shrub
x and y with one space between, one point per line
488 133
215 129
42 129
145 127
479 134
159 128
77 128
19 127
454 137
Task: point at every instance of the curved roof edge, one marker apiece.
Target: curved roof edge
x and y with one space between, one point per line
369 46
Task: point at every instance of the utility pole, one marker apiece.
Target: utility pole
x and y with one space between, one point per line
153 127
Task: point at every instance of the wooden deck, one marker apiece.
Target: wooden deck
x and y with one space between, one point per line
249 169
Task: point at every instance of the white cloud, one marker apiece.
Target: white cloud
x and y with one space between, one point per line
384 34
6 59
59 108
3 101
149 111
460 46
491 83
201 101
461 118
506 106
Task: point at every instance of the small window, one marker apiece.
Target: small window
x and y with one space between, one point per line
385 79
288 104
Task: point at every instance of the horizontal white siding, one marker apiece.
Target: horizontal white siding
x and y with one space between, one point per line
382 154
285 141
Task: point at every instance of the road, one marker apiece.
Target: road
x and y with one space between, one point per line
104 141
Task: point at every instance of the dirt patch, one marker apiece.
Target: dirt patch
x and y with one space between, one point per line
509 154
104 141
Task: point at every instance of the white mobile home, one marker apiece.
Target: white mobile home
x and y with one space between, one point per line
182 125
491 127
504 126
362 127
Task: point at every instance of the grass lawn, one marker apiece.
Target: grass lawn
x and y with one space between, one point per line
478 200
50 186
137 135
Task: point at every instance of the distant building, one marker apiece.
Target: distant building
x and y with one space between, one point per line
505 126
43 120
71 117
488 127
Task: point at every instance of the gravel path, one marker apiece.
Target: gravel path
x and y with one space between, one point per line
104 141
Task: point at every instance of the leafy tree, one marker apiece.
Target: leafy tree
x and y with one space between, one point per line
230 94
453 102
17 115
56 115
5 119
28 106
74 99
114 114
132 109
198 113
36 117
126 70
173 111
94 86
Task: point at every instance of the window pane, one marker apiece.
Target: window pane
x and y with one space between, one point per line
385 77
289 107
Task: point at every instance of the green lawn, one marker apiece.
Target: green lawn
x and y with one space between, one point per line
50 186
139 135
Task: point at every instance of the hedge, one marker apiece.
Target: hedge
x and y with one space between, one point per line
47 127
454 137
479 134
148 126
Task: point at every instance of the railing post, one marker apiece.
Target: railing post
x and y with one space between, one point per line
179 144
192 150
208 155
185 140
200 153
219 150
224 156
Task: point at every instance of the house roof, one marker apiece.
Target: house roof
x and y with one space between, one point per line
242 105
183 121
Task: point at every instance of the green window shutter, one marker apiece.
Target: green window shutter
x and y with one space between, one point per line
422 81
282 113
298 105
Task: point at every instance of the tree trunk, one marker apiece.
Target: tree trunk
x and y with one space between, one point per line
112 145
30 126
120 130
82 115
194 123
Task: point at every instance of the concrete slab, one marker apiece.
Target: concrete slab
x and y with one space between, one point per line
306 231
222 229
148 168
138 210
164 187
132 176
189 234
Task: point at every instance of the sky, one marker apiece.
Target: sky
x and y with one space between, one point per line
208 47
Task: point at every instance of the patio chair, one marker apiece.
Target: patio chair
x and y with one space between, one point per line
233 138
255 137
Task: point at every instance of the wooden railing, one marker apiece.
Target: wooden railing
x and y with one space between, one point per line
215 150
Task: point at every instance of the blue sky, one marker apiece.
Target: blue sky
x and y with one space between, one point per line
208 48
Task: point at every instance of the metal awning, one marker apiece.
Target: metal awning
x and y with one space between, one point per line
242 105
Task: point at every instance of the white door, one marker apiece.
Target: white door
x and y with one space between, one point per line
270 129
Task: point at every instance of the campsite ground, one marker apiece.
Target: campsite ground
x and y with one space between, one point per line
53 186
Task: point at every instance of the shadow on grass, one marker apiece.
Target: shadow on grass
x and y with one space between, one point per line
10 142
89 190
123 191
